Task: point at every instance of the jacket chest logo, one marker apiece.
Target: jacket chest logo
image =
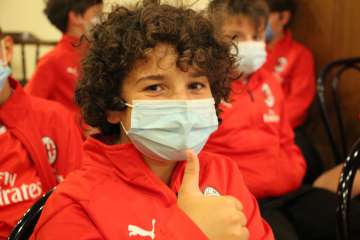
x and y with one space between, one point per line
280 67
50 148
270 116
211 192
269 97
138 231
281 64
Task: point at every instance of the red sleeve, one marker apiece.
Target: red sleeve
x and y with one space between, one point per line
258 228
78 226
291 163
42 81
301 89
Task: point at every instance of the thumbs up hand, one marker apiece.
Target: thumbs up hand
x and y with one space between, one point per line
220 218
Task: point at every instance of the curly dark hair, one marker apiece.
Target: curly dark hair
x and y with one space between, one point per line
281 6
256 10
124 37
57 11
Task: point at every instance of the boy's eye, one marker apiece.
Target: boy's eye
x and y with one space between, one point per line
196 86
154 88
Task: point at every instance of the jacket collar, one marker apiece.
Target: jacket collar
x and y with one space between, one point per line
131 167
250 83
68 41
283 45
73 45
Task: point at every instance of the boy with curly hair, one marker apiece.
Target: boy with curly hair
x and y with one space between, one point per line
152 81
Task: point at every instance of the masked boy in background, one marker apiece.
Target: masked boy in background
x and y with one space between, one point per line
39 144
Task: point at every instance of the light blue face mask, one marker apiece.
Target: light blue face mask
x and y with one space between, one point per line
5 72
165 129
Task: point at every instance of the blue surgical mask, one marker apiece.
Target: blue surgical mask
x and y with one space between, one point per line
165 129
5 72
269 34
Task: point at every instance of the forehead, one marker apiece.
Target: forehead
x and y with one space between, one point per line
238 23
160 58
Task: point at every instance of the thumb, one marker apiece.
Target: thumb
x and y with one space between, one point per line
190 182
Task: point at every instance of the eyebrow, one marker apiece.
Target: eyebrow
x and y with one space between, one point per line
160 77
198 74
151 77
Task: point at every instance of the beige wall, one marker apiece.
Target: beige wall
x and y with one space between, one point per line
20 16
27 15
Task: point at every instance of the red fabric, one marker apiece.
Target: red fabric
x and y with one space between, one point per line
256 134
19 181
57 72
293 65
115 189
40 145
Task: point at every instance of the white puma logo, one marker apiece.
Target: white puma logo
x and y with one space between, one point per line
135 230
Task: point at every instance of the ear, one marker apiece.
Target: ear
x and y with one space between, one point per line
75 19
9 47
285 17
114 117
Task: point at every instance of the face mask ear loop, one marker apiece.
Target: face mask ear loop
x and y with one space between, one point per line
128 105
122 125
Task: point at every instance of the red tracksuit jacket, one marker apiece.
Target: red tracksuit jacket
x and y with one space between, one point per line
116 195
293 65
257 135
57 72
39 146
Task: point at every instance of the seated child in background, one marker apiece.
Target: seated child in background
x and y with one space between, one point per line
57 72
257 135
291 62
39 145
293 66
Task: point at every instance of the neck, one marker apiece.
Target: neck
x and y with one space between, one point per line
5 93
74 32
162 169
276 38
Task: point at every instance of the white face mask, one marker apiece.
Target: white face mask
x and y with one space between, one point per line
165 129
251 55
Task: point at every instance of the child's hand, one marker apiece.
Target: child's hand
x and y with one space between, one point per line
218 217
